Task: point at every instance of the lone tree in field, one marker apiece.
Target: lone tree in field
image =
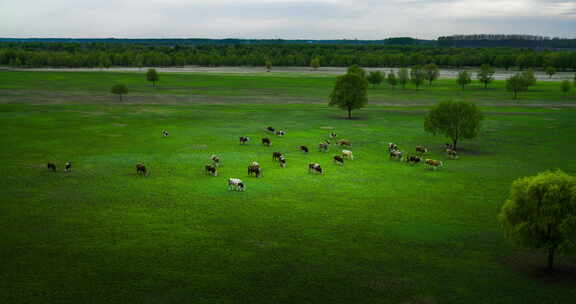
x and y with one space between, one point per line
455 120
403 77
417 76
516 84
463 79
550 71
566 86
268 64
349 93
541 213
354 69
529 78
119 89
152 75
391 79
485 75
431 73
375 78
315 63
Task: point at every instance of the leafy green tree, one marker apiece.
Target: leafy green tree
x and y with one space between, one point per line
529 78
391 79
417 76
354 69
268 64
431 73
566 86
315 63
119 89
454 119
516 84
463 79
540 213
349 93
550 71
152 76
375 78
403 77
485 75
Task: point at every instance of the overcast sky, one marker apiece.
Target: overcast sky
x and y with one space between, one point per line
287 19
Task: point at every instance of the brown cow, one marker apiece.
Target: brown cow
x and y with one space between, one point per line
303 149
433 164
344 143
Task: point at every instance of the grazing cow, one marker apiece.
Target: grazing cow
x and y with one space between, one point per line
433 164
164 133
396 154
333 135
392 147
68 167
276 155
452 153
323 147
211 169
254 168
244 139
266 141
421 149
141 170
347 154
344 143
236 184
271 129
51 167
303 149
280 133
215 160
339 159
282 162
314 167
412 159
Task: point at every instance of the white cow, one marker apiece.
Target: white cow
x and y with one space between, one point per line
347 154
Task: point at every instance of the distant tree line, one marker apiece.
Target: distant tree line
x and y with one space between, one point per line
493 40
104 55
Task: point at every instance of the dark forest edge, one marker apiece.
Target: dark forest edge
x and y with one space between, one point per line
499 51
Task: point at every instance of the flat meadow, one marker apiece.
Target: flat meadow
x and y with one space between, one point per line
372 231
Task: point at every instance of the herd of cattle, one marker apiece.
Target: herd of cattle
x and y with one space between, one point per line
254 168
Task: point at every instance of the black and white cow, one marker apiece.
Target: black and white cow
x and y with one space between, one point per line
421 150
276 155
314 167
412 159
303 149
323 147
215 160
396 154
266 141
51 167
392 147
211 169
338 159
270 129
164 133
244 139
282 161
236 184
280 133
68 167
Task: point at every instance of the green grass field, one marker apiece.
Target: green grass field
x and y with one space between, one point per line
372 231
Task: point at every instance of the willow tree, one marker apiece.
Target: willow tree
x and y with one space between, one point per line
540 213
